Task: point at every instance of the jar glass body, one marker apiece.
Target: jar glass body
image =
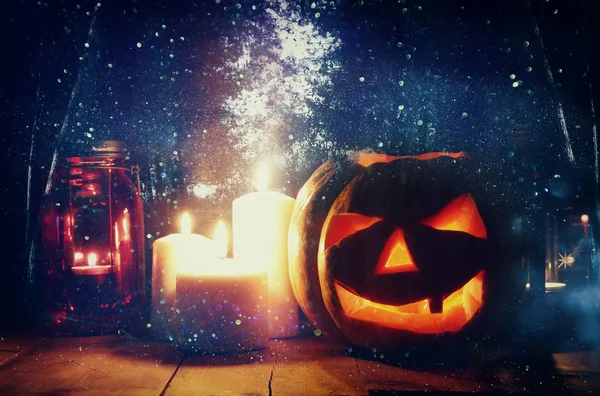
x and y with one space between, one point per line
92 272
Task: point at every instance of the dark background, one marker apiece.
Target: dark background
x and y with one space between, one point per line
476 44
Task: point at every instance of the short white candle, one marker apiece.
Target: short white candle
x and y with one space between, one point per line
260 232
221 305
171 254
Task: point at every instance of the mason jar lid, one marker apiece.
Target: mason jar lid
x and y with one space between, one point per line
104 153
109 147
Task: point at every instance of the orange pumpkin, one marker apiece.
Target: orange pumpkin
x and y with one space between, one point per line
403 248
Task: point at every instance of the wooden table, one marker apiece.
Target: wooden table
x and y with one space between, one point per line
307 365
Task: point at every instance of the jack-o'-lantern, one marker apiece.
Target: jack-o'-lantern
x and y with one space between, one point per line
403 248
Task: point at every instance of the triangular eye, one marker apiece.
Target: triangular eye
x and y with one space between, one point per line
395 256
460 214
343 225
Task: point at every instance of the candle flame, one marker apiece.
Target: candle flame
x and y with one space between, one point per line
262 178
186 224
221 239
92 259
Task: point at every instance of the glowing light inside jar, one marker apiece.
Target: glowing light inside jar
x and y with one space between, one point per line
92 259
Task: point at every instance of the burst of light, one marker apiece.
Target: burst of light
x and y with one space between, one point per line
566 260
585 218
78 256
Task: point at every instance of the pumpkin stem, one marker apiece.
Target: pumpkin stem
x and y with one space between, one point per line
436 304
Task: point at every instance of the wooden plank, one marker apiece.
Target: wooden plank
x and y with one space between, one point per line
286 367
95 365
242 374
312 366
580 370
15 343
12 346
387 377
585 363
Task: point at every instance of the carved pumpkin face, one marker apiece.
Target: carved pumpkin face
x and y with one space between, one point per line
404 249
428 306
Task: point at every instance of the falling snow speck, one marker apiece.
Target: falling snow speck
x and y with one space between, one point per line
362 79
238 322
401 107
515 84
420 122
465 114
512 76
529 69
139 45
86 45
110 65
318 332
401 83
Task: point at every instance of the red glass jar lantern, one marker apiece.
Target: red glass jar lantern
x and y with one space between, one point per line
92 272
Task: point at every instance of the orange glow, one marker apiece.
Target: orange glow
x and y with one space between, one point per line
117 242
125 223
395 256
460 214
343 225
367 159
458 309
585 218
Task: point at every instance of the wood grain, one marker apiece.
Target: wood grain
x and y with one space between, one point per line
13 346
386 377
306 365
95 365
313 366
242 374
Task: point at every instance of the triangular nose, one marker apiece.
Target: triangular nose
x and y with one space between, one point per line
395 256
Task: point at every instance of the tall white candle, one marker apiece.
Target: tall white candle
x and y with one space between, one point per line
260 230
172 254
